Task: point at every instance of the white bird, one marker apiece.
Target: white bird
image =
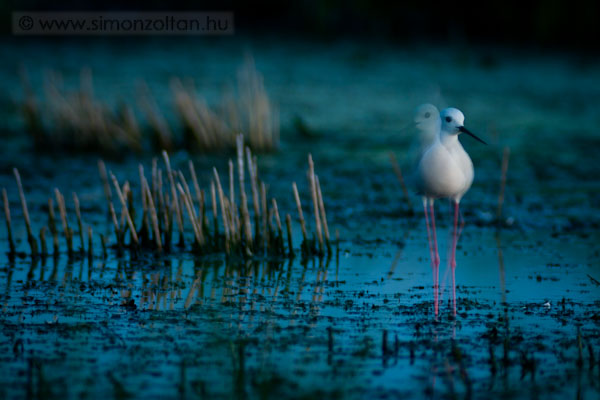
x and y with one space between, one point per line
445 171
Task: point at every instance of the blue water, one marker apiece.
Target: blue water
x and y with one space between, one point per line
210 327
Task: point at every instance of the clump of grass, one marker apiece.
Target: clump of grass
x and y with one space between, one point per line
163 206
320 243
251 111
77 120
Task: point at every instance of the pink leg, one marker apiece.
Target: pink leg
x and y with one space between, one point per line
428 232
453 256
436 261
437 254
433 267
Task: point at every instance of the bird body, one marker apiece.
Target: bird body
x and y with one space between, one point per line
445 169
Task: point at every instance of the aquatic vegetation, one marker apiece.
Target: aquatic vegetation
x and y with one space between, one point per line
250 112
167 201
75 120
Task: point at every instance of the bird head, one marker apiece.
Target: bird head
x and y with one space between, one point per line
427 117
453 123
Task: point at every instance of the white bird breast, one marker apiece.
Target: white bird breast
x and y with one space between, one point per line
444 172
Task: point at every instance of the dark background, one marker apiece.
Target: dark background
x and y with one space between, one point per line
562 25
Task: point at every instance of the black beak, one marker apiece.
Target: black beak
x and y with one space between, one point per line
465 130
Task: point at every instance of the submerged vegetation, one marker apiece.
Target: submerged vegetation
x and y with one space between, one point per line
76 120
222 220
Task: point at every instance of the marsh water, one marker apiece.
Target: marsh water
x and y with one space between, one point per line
358 324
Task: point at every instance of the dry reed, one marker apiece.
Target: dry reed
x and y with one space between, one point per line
398 172
76 120
314 195
52 226
79 222
30 238
11 242
68 232
232 231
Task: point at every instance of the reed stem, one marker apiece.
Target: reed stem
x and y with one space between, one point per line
90 243
243 198
398 172
223 211
323 214
174 195
279 228
11 242
79 223
60 201
125 210
213 196
190 210
300 214
103 242
153 215
265 213
43 241
30 238
313 192
52 225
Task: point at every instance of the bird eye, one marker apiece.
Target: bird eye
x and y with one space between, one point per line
448 119
427 114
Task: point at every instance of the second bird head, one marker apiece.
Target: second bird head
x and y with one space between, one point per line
427 117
